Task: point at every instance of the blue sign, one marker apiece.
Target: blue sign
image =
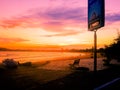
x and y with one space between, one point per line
96 15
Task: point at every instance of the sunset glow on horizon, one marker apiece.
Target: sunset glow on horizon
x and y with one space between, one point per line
40 24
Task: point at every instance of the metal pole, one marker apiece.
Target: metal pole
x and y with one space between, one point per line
95 51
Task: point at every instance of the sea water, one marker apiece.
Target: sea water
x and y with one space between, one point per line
35 56
60 60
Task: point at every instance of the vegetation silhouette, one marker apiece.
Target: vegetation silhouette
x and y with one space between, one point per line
112 51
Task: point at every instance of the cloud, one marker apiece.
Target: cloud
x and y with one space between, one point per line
113 17
62 34
36 18
12 40
75 14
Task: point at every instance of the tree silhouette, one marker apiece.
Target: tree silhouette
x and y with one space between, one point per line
112 51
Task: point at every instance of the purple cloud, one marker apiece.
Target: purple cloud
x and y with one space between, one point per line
113 17
53 23
50 19
76 14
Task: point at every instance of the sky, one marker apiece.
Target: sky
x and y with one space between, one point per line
44 24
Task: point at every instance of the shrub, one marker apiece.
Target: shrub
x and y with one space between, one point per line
112 51
10 63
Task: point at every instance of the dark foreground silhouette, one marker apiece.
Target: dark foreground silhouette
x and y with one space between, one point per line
78 80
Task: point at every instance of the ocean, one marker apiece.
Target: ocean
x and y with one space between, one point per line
35 56
61 59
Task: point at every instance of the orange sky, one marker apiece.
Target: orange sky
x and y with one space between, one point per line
38 24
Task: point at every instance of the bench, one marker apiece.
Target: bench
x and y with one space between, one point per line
76 66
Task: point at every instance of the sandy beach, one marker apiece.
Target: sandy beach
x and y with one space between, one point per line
25 77
52 75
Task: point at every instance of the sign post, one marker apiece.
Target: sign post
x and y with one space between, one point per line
95 51
95 20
